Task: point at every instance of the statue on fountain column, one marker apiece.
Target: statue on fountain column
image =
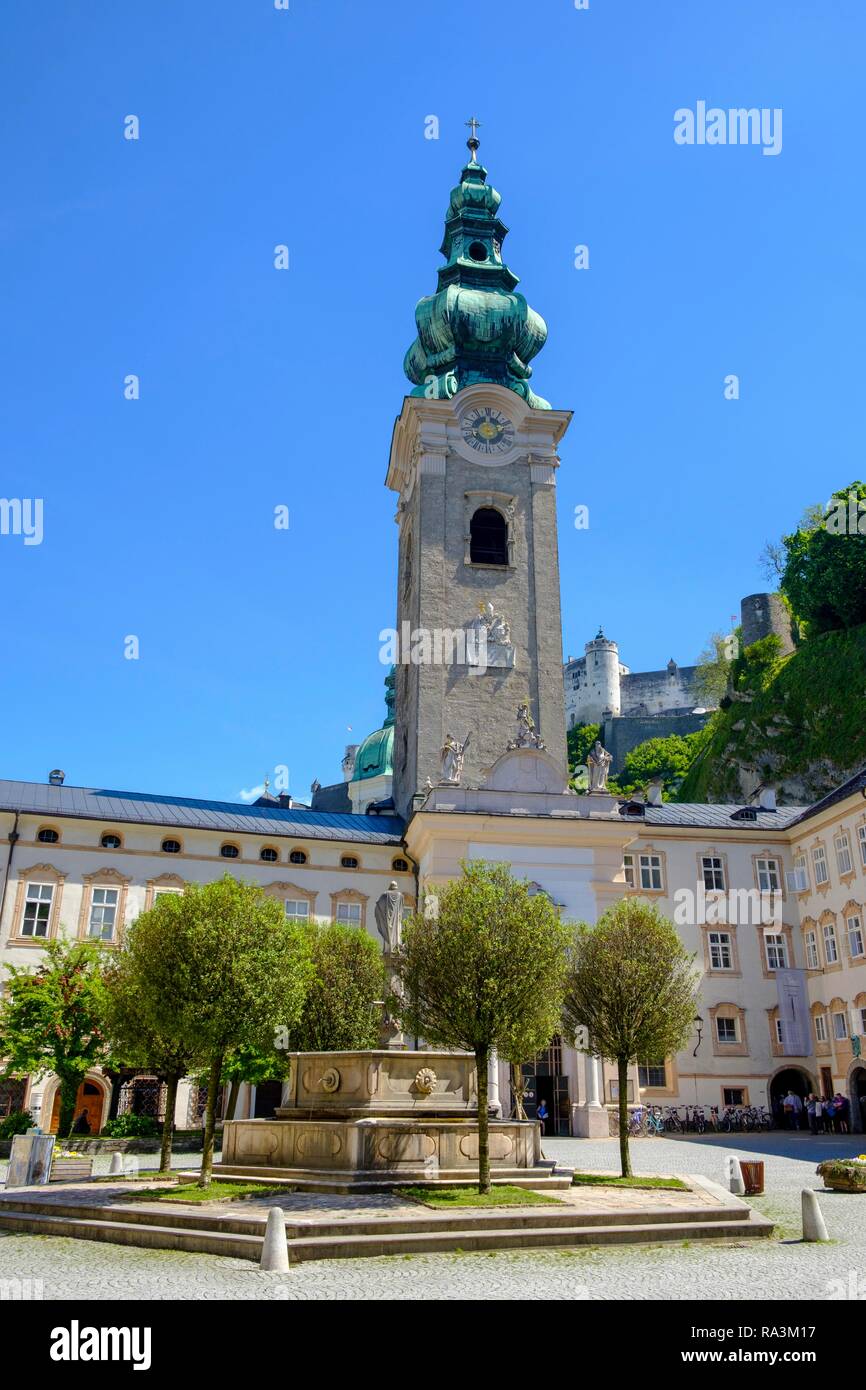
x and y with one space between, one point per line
389 920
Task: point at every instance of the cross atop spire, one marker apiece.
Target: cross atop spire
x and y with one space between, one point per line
473 142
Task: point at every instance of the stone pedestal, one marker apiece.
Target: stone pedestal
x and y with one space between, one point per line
591 1122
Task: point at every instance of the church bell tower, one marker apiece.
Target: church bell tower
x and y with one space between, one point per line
473 462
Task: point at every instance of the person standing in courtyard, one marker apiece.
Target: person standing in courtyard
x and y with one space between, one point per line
541 1115
811 1105
793 1107
841 1111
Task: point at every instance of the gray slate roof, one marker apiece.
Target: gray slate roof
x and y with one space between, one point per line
714 817
184 812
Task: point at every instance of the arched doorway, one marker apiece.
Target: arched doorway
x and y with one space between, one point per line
857 1097
90 1099
789 1079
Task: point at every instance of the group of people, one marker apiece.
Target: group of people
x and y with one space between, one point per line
826 1115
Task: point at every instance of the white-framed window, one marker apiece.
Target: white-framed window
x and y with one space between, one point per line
721 951
349 913
166 893
861 836
652 1074
777 951
855 935
840 1027
819 860
651 871
831 950
298 909
714 873
811 943
628 869
842 846
820 1027
103 913
726 1030
769 877
37 909
798 878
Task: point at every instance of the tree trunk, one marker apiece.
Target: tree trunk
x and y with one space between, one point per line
622 1079
234 1091
68 1095
168 1123
213 1085
481 1063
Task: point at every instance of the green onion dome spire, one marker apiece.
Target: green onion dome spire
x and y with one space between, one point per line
475 328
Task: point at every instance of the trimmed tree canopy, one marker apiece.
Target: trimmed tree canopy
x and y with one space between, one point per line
633 986
342 1009
484 970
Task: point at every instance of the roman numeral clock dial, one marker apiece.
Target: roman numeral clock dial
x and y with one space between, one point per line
487 431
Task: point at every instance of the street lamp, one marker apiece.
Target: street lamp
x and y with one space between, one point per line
699 1024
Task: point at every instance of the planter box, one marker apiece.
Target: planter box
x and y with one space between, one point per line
843 1177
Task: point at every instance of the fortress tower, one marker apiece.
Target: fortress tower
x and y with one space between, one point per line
763 615
601 694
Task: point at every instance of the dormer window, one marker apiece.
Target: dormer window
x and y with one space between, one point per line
170 846
47 835
269 855
229 851
110 841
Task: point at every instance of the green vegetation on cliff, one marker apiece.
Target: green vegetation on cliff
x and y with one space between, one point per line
797 722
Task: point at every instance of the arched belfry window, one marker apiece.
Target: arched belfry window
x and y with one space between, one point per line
488 537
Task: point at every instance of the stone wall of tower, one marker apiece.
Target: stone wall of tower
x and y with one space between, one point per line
762 615
440 484
602 690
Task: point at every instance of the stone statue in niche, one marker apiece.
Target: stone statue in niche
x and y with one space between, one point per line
453 754
389 920
489 639
598 761
527 734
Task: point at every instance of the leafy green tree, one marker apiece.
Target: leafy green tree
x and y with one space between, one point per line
51 1019
824 575
132 1039
633 987
579 740
254 1065
484 971
713 668
231 971
342 1008
666 758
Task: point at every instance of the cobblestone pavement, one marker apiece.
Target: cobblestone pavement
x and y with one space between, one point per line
780 1269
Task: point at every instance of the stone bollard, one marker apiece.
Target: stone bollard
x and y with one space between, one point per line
814 1227
275 1251
116 1165
734 1175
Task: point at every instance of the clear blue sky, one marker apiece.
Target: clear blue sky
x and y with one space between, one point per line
259 647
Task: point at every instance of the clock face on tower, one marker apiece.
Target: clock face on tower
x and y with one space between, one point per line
487 430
